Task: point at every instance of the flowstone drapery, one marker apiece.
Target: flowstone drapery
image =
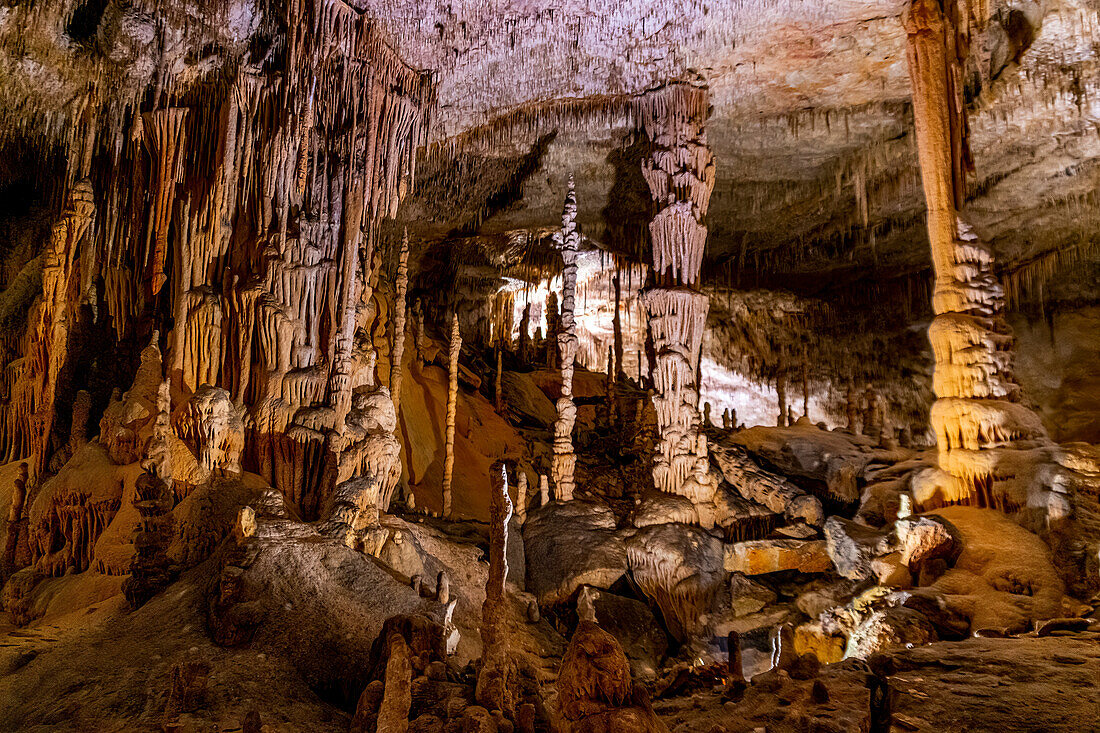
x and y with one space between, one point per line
565 460
993 451
680 175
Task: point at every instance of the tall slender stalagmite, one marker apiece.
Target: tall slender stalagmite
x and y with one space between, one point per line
492 690
680 174
398 353
990 446
452 405
565 460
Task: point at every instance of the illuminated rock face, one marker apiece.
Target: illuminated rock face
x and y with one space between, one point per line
993 451
680 176
253 236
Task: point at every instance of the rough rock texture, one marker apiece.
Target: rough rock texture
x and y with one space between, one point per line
570 544
757 557
631 623
595 691
681 569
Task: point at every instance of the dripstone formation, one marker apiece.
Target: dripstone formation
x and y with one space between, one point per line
320 411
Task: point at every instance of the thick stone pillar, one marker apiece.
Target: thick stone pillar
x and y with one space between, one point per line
992 449
680 174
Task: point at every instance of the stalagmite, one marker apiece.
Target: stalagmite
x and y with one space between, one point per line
544 490
452 405
680 175
521 497
393 714
498 388
565 460
781 394
149 572
492 680
398 350
524 334
851 409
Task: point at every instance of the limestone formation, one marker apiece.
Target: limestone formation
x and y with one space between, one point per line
397 367
492 681
452 406
595 690
521 496
149 571
250 252
564 461
991 448
680 176
393 714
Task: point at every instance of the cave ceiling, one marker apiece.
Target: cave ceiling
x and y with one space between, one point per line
817 185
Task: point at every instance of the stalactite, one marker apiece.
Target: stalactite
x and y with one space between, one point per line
565 460
164 135
398 349
680 175
452 404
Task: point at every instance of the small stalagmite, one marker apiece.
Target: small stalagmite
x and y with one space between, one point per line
452 406
521 496
544 490
149 572
393 714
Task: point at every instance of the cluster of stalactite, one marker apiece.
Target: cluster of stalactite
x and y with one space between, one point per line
565 460
241 216
991 447
680 175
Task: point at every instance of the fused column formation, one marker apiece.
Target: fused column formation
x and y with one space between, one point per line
565 460
982 431
680 175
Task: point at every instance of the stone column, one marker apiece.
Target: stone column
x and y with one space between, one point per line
680 174
565 460
979 424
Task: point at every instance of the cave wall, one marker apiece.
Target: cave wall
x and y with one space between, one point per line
1058 366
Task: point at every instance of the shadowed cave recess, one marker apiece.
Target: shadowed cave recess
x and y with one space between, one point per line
516 366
